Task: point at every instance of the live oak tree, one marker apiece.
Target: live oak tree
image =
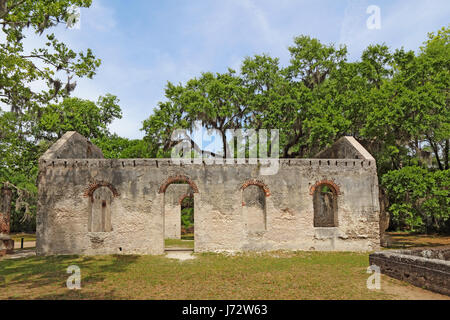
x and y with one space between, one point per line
410 111
35 86
262 96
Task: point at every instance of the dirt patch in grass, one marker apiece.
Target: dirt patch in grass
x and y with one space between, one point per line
407 240
402 290
180 255
276 275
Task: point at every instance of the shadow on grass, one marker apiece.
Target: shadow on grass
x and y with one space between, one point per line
36 272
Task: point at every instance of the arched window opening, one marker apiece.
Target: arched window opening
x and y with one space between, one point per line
325 206
100 217
254 208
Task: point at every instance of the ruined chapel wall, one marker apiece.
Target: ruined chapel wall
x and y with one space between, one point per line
137 215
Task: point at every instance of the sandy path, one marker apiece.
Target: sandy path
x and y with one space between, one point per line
26 244
404 291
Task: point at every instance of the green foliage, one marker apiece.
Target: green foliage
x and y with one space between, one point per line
18 171
19 69
115 147
420 198
73 114
187 213
187 217
410 111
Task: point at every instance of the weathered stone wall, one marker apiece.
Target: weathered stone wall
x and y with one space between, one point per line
172 209
137 207
425 268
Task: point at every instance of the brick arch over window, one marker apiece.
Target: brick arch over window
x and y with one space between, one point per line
180 178
254 182
333 186
325 203
97 184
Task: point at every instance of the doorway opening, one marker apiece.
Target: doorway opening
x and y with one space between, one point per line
179 215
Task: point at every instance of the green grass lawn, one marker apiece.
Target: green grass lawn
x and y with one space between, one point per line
186 241
179 243
277 275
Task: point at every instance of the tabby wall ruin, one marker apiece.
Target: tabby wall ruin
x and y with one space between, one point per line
91 205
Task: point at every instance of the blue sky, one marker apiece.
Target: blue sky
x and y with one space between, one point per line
145 43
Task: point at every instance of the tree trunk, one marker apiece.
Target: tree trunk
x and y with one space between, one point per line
436 154
384 217
5 210
224 142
